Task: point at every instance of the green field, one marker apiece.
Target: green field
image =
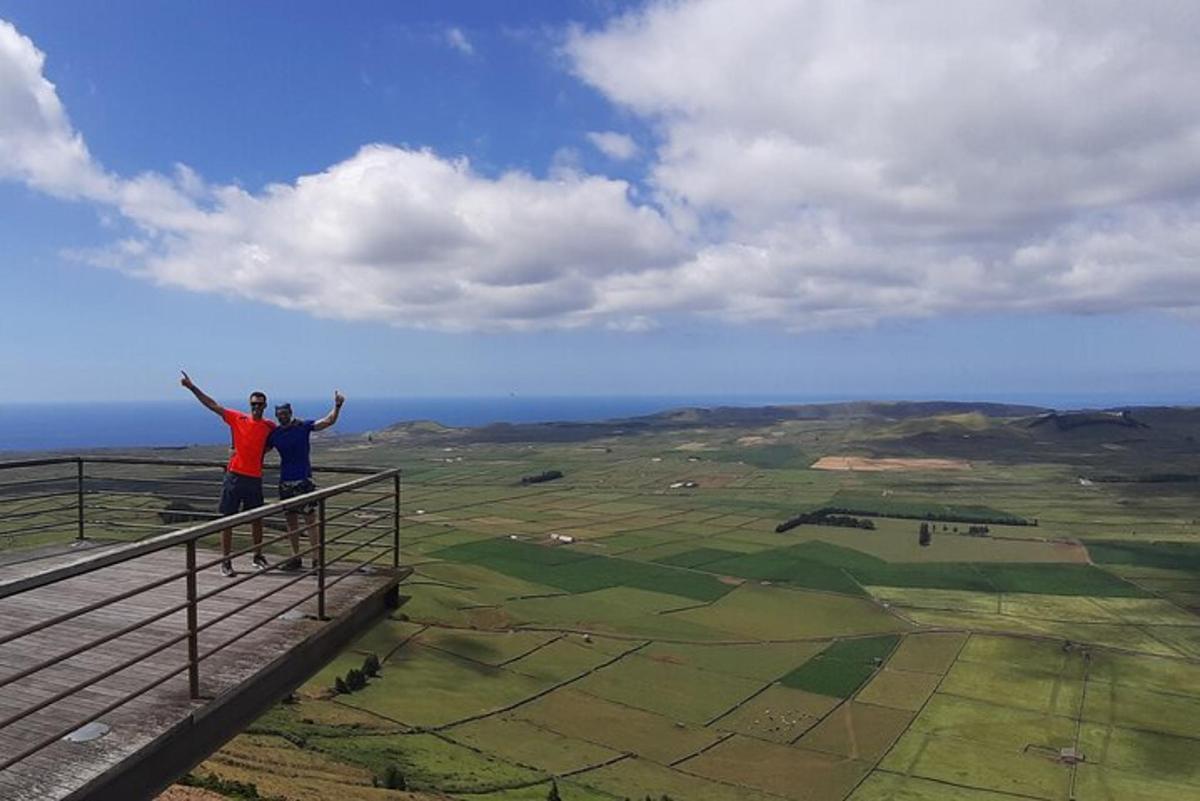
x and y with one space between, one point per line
667 641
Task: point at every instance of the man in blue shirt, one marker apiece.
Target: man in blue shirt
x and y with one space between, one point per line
290 439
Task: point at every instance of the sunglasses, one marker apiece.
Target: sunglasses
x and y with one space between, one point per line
258 403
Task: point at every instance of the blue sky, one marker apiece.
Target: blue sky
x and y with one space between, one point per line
558 198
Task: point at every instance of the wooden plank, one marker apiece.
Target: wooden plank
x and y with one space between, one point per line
61 768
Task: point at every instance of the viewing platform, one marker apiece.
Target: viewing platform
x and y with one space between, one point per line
124 664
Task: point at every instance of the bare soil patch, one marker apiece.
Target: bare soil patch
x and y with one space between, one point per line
868 465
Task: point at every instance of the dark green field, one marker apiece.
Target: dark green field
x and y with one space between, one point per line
626 635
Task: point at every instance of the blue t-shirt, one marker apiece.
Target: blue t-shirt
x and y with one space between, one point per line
292 443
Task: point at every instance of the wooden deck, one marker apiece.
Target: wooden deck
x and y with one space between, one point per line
161 732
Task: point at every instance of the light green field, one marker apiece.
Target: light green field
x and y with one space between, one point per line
423 687
779 714
899 689
671 628
787 771
761 661
523 743
858 731
679 693
576 714
638 778
753 612
927 653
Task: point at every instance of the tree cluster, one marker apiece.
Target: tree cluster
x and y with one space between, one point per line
548 475
823 518
356 679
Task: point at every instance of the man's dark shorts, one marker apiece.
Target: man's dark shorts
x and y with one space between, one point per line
290 489
240 493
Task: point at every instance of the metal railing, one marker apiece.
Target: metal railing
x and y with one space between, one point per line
359 517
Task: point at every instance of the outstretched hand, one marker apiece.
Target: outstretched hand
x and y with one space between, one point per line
186 380
338 398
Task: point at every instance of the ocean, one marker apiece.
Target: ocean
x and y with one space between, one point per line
66 426
69 426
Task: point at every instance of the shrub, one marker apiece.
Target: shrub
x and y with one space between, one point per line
371 666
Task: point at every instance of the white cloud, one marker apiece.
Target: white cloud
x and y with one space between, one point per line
459 41
939 146
818 164
37 144
407 237
615 145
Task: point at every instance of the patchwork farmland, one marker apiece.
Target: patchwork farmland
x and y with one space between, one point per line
615 634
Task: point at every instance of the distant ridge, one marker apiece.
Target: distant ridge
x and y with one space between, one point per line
1066 421
690 417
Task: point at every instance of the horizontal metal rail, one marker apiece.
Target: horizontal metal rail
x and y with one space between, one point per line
133 550
370 501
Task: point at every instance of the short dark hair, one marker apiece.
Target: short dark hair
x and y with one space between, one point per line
259 394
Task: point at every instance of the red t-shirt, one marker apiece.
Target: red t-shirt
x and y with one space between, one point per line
249 443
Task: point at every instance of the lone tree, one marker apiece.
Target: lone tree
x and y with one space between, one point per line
924 535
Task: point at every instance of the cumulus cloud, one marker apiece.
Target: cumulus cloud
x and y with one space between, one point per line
615 145
990 155
459 41
816 164
37 143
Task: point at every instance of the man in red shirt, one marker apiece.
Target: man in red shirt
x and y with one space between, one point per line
242 489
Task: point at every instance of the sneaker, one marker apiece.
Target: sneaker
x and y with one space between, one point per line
227 569
260 562
291 565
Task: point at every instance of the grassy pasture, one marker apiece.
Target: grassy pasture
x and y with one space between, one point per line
761 661
303 774
896 541
581 716
899 689
1116 705
858 731
754 612
567 657
841 668
1150 754
883 786
779 713
1017 684
646 573
932 652
539 792
787 771
523 743
976 765
696 557
616 610
488 648
1168 555
639 778
1128 637
423 687
574 571
679 693
915 509
428 762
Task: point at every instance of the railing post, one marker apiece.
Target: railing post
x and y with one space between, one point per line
193 644
79 494
321 561
396 520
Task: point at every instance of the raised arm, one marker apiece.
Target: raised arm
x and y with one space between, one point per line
331 418
208 402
